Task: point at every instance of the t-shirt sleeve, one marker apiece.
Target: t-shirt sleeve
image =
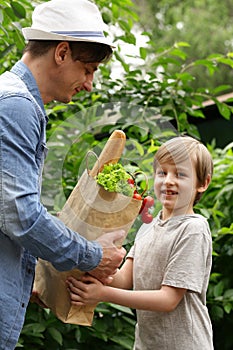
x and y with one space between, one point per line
188 262
142 231
131 253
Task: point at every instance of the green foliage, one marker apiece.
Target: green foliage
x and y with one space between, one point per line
13 15
113 327
216 205
151 101
170 21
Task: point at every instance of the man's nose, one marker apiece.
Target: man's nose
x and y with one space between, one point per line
88 85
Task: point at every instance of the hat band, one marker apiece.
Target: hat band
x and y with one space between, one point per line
80 34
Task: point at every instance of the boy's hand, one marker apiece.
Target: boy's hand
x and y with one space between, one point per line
86 291
112 256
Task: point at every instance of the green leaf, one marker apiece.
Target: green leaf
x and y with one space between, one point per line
56 335
124 341
218 289
185 76
182 43
220 88
120 59
209 64
228 294
18 9
224 110
225 231
9 11
227 61
34 329
178 53
227 308
143 52
217 312
125 26
123 309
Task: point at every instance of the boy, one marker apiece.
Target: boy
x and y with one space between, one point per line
170 262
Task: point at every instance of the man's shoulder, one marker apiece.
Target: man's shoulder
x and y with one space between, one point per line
11 84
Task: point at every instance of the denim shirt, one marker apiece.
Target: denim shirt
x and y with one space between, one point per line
27 230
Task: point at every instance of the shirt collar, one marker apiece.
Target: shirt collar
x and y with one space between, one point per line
24 73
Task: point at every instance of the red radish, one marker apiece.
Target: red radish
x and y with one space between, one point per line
146 217
148 201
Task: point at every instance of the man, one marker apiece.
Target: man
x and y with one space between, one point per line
65 47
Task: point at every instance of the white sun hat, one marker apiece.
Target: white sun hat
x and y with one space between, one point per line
67 20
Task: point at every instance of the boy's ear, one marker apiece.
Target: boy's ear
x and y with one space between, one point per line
204 187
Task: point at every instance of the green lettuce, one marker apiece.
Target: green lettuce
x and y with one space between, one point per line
114 178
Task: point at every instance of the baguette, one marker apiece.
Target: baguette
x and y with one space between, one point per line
111 152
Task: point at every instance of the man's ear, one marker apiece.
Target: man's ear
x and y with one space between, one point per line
61 52
204 187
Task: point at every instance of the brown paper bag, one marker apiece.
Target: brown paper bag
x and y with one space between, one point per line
90 210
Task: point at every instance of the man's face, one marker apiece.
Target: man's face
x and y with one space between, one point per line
70 77
74 77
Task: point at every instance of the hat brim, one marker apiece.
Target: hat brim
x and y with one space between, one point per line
37 34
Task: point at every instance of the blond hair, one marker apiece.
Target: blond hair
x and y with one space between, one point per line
181 148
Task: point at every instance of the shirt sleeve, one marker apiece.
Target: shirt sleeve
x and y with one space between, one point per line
188 264
23 218
144 228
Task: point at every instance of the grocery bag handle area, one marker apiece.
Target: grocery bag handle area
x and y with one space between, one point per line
87 157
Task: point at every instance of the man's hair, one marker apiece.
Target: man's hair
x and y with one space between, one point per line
179 149
86 52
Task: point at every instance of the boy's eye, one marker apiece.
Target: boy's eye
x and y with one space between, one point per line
180 174
161 173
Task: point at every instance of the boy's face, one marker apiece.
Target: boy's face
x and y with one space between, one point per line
175 186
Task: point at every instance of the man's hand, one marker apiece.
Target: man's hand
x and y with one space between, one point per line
112 256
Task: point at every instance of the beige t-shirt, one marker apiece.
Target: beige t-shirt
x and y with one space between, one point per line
178 253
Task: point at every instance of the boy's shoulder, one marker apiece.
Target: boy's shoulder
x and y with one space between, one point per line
195 223
196 219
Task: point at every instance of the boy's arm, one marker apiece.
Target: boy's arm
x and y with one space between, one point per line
165 299
91 291
123 278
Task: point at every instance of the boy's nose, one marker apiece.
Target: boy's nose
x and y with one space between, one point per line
169 178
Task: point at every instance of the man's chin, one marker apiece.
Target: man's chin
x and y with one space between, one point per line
64 100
